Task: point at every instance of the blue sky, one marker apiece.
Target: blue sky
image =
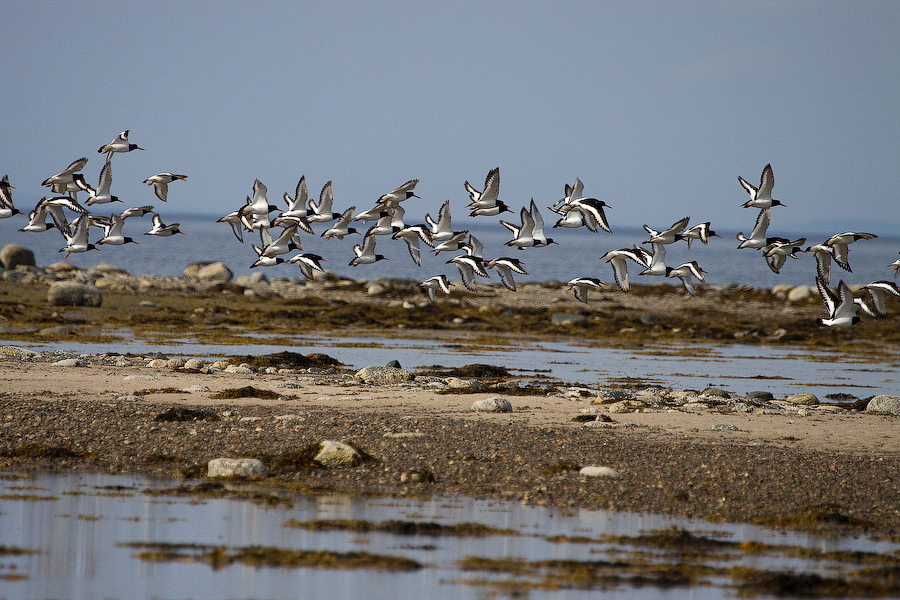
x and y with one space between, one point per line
656 106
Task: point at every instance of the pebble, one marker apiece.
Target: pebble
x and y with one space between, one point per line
141 378
599 472
805 399
69 362
378 373
724 427
239 467
492 405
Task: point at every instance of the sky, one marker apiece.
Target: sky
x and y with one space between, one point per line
657 107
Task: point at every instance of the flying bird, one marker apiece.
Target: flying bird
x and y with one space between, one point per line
581 285
761 197
161 181
119 144
432 284
840 306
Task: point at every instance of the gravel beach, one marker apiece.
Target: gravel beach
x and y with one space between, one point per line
762 460
809 467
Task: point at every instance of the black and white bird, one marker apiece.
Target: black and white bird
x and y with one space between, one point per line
441 230
530 234
761 197
618 260
341 226
578 210
112 232
758 237
451 244
64 181
37 218
685 272
700 232
895 267
412 234
505 267
874 307
7 209
404 192
119 144
161 181
162 230
469 266
286 241
488 197
308 263
840 306
296 206
76 235
433 284
657 264
100 195
320 212
581 285
777 253
365 252
840 242
667 236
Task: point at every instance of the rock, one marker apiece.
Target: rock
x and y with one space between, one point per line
130 398
376 373
194 364
236 467
607 396
394 364
781 290
492 405
714 392
158 363
724 427
56 330
760 396
215 272
72 293
244 369
69 362
801 293
804 399
14 255
626 406
564 318
599 472
337 454
884 404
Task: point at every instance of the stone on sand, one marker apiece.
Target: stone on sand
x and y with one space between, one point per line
884 404
236 467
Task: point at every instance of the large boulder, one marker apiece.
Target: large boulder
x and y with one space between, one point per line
212 272
14 255
337 454
72 293
884 404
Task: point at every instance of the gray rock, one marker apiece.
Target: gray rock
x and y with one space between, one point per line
492 405
56 330
884 404
599 472
388 374
194 364
69 362
760 396
130 398
14 255
236 467
564 318
605 396
801 293
215 272
337 454
724 427
804 399
714 392
71 293
394 364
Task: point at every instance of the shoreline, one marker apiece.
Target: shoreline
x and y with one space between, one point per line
819 468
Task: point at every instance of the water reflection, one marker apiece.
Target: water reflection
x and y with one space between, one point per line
78 523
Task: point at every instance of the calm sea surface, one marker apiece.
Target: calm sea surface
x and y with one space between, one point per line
576 255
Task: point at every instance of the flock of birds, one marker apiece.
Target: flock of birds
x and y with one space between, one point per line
62 207
281 235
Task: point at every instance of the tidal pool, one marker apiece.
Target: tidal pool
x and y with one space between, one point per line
86 536
737 368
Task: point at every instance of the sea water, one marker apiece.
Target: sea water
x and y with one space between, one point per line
577 254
